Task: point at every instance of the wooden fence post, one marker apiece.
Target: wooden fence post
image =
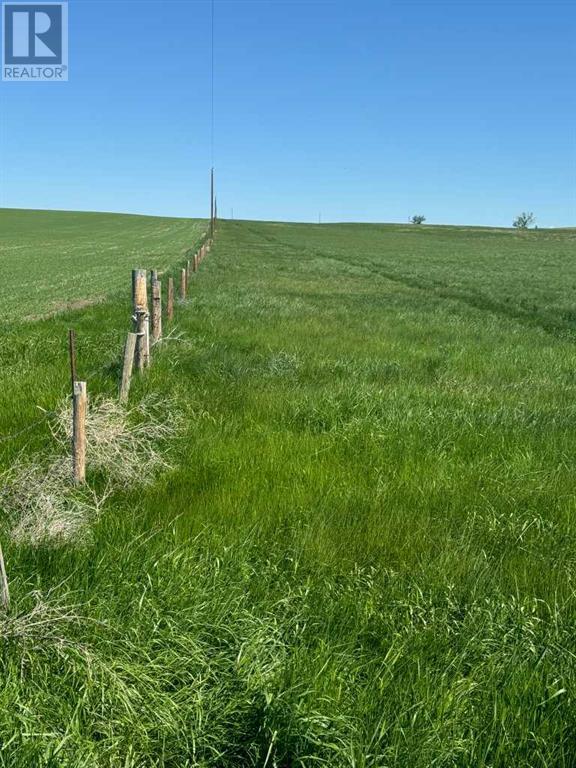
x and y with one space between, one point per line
170 302
139 292
147 340
156 311
140 325
79 405
127 367
182 283
140 310
4 591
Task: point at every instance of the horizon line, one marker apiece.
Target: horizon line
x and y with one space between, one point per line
287 221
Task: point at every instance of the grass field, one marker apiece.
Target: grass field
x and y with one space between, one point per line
54 261
364 551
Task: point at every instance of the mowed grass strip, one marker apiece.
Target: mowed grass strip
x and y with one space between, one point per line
364 552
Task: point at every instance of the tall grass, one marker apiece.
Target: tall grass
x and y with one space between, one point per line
362 553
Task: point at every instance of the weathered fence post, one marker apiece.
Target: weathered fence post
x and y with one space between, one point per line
140 325
156 311
153 281
183 283
139 293
170 300
147 340
79 404
127 367
4 591
140 309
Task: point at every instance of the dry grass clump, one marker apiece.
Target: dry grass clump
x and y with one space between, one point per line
123 445
43 624
44 504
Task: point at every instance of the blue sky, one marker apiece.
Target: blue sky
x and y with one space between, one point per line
359 110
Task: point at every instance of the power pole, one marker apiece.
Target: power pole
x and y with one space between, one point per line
212 202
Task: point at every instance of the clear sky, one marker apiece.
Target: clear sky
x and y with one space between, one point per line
358 110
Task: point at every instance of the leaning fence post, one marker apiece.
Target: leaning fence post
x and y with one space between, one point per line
4 591
156 310
182 283
127 367
79 404
170 302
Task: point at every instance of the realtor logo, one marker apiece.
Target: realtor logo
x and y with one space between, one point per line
35 42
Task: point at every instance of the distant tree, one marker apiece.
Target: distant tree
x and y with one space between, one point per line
418 219
524 221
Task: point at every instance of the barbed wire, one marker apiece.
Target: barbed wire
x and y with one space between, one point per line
30 427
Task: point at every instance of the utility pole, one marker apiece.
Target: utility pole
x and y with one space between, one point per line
212 202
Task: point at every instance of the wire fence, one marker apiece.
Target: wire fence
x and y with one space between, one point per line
153 310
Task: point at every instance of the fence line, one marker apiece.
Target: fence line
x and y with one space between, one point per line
136 356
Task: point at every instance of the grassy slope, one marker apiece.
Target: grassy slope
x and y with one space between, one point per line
364 555
53 259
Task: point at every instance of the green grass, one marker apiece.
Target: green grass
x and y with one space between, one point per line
364 554
53 260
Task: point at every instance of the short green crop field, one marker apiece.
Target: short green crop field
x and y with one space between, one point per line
361 552
53 261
